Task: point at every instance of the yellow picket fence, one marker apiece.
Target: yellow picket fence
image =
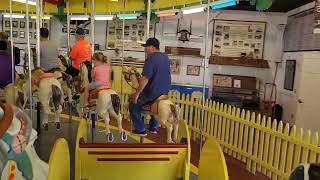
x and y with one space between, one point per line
265 145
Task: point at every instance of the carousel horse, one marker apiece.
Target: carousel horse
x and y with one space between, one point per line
306 172
18 158
12 92
164 110
103 100
63 78
49 93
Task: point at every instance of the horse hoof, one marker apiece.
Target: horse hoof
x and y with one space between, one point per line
110 137
46 127
123 136
58 126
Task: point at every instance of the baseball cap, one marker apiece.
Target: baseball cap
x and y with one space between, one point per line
80 31
152 42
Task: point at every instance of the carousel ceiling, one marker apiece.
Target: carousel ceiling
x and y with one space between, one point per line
118 6
101 6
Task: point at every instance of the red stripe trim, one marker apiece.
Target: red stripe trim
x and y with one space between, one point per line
133 145
133 159
131 152
55 2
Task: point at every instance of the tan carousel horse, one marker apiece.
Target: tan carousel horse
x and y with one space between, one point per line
104 101
49 93
63 78
12 92
164 110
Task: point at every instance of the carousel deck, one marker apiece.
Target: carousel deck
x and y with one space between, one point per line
46 140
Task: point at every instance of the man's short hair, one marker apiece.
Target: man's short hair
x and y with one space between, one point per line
3 45
4 36
44 32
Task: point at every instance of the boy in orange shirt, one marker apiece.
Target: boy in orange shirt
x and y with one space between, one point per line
80 52
100 75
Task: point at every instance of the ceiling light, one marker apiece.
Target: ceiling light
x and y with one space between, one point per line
17 16
44 17
128 16
104 17
223 4
172 12
34 3
79 17
193 9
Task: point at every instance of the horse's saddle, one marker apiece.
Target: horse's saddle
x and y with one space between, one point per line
39 77
94 94
153 106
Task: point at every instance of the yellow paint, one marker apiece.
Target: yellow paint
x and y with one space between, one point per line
263 144
212 164
21 7
88 167
101 6
59 162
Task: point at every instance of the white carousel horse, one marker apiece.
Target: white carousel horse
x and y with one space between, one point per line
107 103
49 93
164 110
58 74
18 158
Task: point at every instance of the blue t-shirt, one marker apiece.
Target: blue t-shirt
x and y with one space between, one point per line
157 70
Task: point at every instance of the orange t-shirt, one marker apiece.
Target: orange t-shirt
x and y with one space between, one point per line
101 74
80 52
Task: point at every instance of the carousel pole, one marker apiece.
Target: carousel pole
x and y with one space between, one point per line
38 24
68 26
148 18
93 13
122 59
204 74
29 59
12 58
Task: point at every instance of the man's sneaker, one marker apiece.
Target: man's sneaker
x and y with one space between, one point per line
141 133
153 130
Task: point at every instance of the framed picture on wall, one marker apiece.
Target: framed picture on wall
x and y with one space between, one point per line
193 70
22 24
175 66
289 74
14 34
7 23
22 34
15 24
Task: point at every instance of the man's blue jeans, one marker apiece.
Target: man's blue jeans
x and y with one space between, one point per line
135 113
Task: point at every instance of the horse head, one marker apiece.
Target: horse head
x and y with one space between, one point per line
85 73
63 61
132 76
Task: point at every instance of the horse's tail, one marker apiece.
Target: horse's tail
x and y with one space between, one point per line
56 96
176 111
115 99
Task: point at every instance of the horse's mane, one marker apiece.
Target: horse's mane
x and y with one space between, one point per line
88 64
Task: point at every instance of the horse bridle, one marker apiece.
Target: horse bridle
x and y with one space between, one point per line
130 74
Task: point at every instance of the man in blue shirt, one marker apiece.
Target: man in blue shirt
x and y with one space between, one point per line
155 81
